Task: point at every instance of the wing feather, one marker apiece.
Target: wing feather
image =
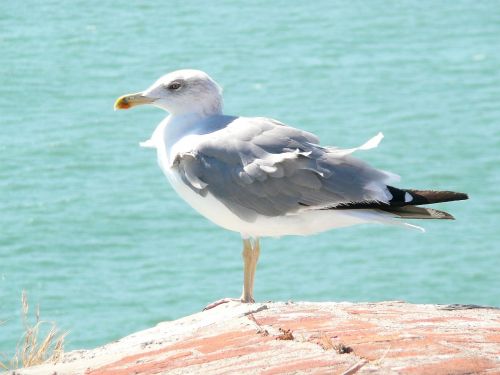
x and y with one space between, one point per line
258 166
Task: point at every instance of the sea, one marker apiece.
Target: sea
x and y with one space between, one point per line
91 230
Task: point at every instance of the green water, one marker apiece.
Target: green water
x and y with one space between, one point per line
90 228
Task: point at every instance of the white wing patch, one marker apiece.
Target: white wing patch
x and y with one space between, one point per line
270 165
148 144
368 145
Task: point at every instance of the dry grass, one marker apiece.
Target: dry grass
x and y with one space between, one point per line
33 348
2 358
326 343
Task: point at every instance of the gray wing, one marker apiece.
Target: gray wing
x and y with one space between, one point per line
258 166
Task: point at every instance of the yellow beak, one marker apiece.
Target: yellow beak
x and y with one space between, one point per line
131 100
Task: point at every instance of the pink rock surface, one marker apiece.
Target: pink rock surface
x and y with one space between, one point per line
309 338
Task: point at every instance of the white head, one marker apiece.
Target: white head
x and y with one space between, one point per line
180 92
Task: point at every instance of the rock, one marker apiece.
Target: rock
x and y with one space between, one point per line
303 337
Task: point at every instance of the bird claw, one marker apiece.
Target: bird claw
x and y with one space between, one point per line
225 300
220 302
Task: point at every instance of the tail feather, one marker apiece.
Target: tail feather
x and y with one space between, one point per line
404 203
413 212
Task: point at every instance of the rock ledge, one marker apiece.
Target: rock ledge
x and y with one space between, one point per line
320 338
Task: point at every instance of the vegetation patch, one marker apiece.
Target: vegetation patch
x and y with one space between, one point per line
41 342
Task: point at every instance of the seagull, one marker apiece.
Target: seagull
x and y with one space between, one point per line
262 178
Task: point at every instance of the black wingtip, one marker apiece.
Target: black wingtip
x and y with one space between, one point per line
433 196
413 197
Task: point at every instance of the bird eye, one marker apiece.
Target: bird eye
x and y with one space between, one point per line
174 86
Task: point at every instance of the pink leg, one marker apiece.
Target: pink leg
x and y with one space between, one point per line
251 252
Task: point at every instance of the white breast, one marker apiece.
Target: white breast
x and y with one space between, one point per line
171 140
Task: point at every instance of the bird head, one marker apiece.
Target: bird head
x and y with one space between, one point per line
180 92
